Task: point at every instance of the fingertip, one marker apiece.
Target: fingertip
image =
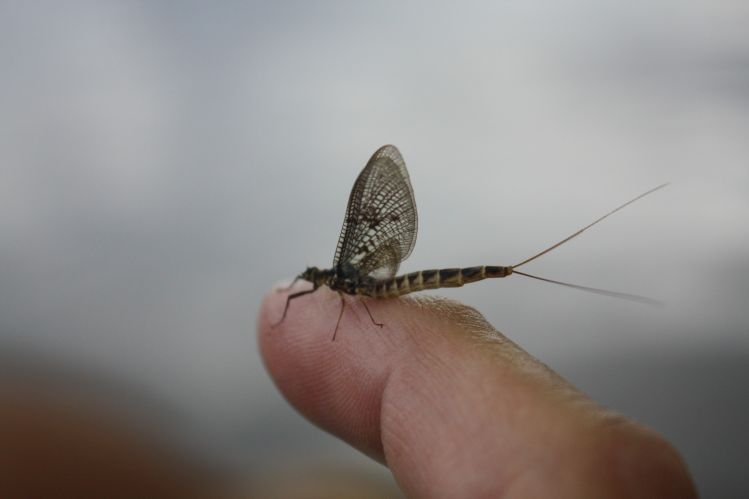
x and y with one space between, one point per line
339 384
282 340
336 384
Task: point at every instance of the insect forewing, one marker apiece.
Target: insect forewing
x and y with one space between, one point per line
379 230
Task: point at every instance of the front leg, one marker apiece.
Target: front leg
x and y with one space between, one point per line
287 288
288 300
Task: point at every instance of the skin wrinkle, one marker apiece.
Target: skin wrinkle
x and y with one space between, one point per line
424 353
541 464
385 333
432 362
513 410
504 350
371 408
368 407
399 415
490 342
395 441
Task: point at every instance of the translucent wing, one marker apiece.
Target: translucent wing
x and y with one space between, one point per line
379 230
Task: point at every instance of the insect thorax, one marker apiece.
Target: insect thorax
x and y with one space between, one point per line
342 278
348 279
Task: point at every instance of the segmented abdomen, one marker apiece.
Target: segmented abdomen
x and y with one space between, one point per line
431 279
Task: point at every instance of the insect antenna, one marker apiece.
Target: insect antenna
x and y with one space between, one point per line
615 294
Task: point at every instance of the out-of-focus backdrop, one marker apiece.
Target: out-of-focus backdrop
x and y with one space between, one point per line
163 165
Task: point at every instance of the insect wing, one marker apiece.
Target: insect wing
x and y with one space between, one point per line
379 230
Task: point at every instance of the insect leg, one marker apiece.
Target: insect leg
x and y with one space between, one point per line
340 314
286 288
370 314
288 300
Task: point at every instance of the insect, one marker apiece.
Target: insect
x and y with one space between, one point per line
379 232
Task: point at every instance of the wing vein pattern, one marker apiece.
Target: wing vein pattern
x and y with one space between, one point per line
379 230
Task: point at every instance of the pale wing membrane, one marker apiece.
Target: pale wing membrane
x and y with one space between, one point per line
379 230
382 263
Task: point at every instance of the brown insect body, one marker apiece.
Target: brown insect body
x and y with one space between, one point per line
402 284
379 232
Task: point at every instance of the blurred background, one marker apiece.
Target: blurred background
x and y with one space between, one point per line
162 165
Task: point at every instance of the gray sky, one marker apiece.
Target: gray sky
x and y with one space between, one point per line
161 168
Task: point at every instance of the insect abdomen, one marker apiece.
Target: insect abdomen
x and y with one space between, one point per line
434 279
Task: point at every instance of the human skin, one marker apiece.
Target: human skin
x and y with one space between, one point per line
453 407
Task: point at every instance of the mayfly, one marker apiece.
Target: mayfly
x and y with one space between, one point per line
379 232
